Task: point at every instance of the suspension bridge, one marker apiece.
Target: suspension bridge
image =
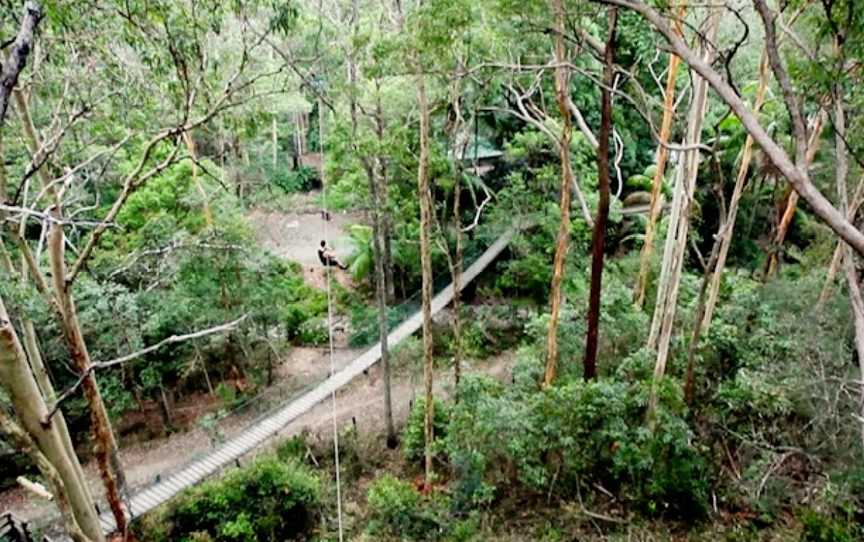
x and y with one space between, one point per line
263 429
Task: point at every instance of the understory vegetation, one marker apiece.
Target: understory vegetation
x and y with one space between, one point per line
207 208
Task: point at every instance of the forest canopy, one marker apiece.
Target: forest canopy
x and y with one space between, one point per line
208 209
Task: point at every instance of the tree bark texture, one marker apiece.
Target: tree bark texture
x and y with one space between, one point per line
599 233
13 65
31 410
679 222
659 174
426 268
22 441
562 97
104 442
726 233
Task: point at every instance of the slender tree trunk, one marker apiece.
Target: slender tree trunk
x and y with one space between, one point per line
701 304
773 260
657 182
425 195
837 257
562 90
196 180
725 237
105 443
375 171
456 274
599 233
275 131
31 409
676 238
841 171
31 340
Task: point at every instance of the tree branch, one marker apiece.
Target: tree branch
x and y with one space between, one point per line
18 56
173 339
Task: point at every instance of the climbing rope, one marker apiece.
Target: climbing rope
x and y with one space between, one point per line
326 217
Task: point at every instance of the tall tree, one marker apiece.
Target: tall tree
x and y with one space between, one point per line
562 98
659 173
794 170
679 217
599 233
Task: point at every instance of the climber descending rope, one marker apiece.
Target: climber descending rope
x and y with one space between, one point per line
325 256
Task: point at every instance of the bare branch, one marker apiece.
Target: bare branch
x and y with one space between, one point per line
173 339
18 56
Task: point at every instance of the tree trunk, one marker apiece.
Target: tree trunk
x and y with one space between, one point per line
679 222
841 171
725 235
657 182
22 441
562 95
599 233
794 171
837 257
31 409
426 266
773 260
105 443
196 180
275 130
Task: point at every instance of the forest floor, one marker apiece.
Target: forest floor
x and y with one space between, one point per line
296 236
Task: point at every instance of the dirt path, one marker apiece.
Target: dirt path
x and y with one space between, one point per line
296 236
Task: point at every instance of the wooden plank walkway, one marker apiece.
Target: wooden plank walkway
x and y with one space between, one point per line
255 435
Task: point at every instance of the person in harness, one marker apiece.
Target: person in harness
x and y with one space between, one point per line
328 258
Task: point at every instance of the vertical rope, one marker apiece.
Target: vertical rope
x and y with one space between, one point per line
326 217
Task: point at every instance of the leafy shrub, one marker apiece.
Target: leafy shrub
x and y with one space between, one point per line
575 433
414 436
396 508
817 527
268 500
301 179
313 332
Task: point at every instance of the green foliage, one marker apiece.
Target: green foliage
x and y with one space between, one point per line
268 500
301 179
575 433
817 527
414 436
396 508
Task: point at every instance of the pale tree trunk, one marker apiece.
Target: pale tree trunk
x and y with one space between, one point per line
657 182
725 237
31 410
383 270
275 134
562 90
679 222
599 233
773 260
426 266
196 180
22 441
794 171
31 340
43 379
374 171
105 444
837 257
857 301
